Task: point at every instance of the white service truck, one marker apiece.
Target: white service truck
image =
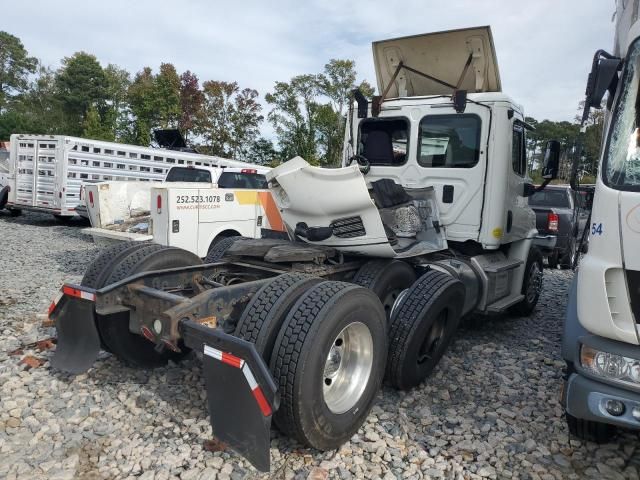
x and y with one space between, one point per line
601 341
46 172
194 208
426 222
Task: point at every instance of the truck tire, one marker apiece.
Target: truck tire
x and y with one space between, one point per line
566 261
4 196
386 278
552 260
262 318
15 212
422 326
102 266
590 431
531 285
328 363
129 347
217 251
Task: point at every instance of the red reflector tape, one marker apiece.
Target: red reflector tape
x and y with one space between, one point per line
237 362
54 303
74 292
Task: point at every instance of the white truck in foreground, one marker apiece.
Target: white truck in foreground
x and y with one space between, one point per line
426 222
601 342
194 208
46 172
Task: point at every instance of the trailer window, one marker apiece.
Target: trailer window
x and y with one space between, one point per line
133 155
622 155
384 141
449 141
242 180
182 174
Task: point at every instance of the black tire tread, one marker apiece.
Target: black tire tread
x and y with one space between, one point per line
403 324
219 249
106 258
522 308
369 272
128 263
287 351
282 290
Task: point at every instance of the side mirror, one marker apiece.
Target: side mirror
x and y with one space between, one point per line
602 78
551 160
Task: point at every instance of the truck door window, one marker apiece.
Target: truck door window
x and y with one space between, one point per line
518 158
449 141
384 141
183 174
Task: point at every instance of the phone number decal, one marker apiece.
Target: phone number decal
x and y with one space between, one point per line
185 199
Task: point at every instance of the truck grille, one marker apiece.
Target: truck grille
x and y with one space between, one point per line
348 227
633 279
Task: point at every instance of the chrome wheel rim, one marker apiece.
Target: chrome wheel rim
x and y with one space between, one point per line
390 300
535 283
347 367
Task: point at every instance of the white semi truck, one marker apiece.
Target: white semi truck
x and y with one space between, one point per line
601 342
427 221
46 172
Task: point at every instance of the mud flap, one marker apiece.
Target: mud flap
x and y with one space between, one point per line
241 392
78 340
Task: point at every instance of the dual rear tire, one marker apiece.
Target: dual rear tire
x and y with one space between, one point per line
116 263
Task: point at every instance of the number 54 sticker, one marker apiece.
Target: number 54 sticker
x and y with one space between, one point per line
596 229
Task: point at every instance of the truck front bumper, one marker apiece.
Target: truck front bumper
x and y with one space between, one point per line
586 398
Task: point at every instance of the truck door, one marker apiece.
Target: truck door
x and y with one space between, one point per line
182 217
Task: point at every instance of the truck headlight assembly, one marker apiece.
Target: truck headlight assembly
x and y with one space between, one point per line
610 366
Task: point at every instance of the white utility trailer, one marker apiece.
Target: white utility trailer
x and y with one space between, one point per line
426 222
46 172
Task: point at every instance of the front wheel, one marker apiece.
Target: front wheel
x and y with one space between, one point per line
531 284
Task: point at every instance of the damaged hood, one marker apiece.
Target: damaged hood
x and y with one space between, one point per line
463 58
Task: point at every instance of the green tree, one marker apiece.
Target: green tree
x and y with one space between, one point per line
167 96
229 119
80 84
15 67
94 128
262 152
115 115
141 98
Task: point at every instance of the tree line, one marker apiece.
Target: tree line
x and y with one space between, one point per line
307 113
216 117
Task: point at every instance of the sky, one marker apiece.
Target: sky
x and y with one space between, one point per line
544 47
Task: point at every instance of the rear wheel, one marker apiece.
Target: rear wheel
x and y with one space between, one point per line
4 196
130 347
422 326
387 279
328 363
590 431
531 284
262 318
218 249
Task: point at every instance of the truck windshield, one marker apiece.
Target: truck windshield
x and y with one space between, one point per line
550 198
622 155
185 174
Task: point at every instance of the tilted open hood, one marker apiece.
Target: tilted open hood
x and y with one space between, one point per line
463 58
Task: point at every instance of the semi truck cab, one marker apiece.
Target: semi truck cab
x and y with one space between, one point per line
601 342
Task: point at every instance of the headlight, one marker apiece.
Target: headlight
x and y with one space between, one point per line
611 366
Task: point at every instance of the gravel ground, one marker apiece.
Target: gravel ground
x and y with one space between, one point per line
490 410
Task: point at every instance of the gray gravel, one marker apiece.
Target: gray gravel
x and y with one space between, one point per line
490 410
